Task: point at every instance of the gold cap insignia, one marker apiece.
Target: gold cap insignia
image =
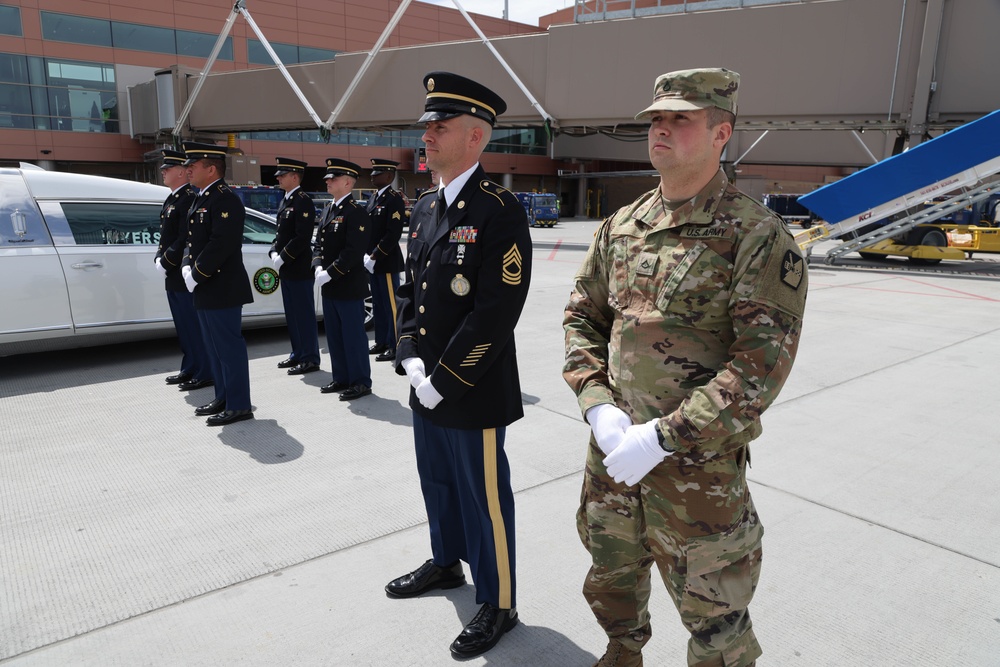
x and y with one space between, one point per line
430 85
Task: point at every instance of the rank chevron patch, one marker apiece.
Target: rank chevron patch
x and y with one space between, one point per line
512 266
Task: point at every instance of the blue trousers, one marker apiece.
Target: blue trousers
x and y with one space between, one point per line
227 351
344 320
194 361
465 480
300 317
384 286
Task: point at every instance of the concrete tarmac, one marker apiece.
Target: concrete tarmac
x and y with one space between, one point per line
132 534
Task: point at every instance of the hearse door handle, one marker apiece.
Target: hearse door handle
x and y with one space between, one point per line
88 265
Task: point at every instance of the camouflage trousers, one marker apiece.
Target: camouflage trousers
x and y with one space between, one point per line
696 521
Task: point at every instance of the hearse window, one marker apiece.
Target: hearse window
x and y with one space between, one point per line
258 230
104 223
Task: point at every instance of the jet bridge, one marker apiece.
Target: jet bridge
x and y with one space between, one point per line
949 172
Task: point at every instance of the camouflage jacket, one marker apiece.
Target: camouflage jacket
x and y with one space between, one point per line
691 317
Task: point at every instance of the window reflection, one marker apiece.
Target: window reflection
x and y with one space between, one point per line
50 94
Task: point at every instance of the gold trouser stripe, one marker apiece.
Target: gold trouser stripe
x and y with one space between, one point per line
496 516
392 303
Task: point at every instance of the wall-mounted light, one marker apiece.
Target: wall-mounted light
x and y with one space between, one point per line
46 151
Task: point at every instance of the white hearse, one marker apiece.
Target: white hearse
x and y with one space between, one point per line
76 262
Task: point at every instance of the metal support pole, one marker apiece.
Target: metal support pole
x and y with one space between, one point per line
328 125
863 146
524 89
752 146
240 8
282 68
237 8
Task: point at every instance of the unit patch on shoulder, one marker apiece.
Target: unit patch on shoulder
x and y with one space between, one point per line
792 269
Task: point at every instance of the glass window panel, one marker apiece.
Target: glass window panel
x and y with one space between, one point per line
10 21
143 37
89 75
76 29
257 55
15 106
200 44
113 223
309 54
13 68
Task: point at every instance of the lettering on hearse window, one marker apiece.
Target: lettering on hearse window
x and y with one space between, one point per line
113 223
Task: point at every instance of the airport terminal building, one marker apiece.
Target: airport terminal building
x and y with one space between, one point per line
816 105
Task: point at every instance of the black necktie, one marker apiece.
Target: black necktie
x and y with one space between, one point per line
442 203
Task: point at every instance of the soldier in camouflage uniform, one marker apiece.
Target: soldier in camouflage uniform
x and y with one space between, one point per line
681 330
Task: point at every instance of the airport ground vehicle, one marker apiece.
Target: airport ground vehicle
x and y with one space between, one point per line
789 208
917 204
542 208
76 262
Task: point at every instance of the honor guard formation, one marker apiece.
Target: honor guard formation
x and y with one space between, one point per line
681 329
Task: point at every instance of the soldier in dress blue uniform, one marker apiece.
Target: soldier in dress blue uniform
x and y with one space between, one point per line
339 270
384 259
213 271
196 370
291 254
467 274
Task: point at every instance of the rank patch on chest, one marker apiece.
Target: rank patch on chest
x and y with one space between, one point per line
792 270
646 264
463 235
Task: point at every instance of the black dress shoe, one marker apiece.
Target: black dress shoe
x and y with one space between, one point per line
179 378
388 355
213 408
287 363
228 417
333 387
484 631
357 391
194 383
303 368
377 348
427 577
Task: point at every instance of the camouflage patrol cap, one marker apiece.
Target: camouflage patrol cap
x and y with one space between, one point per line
689 89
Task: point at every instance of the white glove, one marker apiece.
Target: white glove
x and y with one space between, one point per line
428 395
369 264
159 267
638 453
188 278
322 277
608 423
415 371
276 260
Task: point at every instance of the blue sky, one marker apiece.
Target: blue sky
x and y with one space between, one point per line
523 11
